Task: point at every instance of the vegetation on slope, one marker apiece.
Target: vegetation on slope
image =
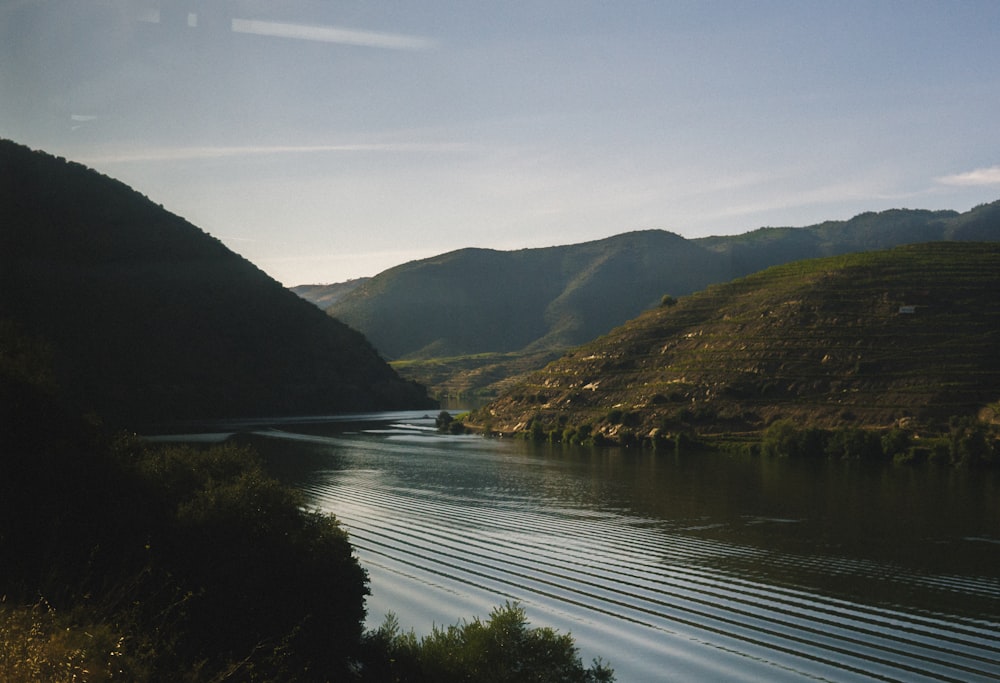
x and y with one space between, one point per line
492 312
876 339
465 321
140 563
501 649
186 564
147 318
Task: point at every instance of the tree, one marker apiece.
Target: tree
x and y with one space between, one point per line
443 421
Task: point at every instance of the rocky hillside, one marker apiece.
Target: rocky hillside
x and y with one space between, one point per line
145 318
856 340
467 320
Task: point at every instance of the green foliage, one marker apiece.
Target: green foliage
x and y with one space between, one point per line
972 443
443 421
537 431
784 439
37 644
968 442
268 583
552 299
503 649
448 424
203 564
896 443
855 443
819 342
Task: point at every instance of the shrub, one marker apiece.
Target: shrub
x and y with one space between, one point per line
582 435
969 442
503 649
783 439
896 444
537 431
36 644
780 439
854 442
268 583
443 421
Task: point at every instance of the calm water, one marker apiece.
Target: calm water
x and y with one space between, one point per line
704 567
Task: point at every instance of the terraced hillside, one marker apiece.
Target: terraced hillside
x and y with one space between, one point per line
863 339
466 322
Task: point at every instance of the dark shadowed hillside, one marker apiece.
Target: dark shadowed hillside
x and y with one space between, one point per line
147 318
855 340
469 319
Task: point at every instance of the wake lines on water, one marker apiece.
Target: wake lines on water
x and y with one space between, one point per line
642 578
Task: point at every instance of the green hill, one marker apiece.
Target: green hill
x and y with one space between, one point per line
868 340
147 318
469 319
484 301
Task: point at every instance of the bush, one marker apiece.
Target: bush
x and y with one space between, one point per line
896 444
202 563
969 443
537 431
36 644
783 439
853 442
502 649
443 421
267 584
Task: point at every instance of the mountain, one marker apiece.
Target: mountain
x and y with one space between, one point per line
470 318
145 318
866 340
325 296
480 300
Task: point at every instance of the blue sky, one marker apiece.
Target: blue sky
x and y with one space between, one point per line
326 140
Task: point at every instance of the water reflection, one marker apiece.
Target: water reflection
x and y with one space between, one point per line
704 565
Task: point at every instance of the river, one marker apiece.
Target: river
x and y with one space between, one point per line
691 567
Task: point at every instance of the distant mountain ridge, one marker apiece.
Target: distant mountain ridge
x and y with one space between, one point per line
484 306
148 318
480 300
867 339
325 296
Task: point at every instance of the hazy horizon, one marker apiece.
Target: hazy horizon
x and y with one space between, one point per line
326 141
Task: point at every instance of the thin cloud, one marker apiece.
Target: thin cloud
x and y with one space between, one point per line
314 32
976 178
331 34
207 153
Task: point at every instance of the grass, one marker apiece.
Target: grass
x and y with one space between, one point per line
39 644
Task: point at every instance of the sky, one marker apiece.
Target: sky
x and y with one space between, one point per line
326 140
